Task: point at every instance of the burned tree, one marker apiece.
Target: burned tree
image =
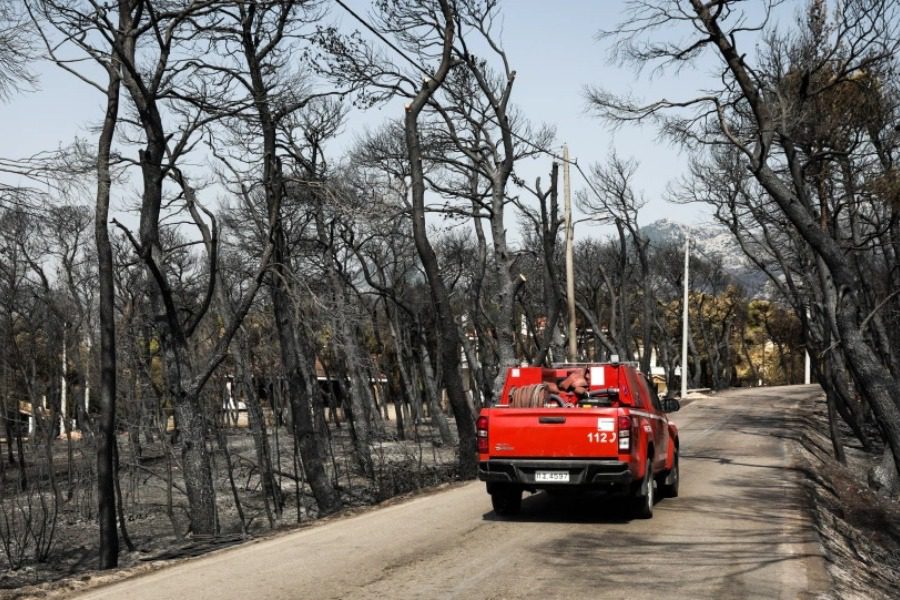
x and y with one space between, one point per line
767 113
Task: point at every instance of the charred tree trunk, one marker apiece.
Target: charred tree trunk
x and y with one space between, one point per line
505 296
257 422
302 392
106 440
360 397
406 384
438 419
449 338
549 230
177 356
850 409
875 380
837 442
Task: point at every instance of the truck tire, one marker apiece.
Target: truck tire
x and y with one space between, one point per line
668 485
506 500
643 496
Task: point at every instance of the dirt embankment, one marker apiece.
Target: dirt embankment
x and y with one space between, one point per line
859 529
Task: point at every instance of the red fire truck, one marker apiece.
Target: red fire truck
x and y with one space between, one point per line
578 426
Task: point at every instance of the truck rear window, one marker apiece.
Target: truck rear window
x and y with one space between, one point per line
639 396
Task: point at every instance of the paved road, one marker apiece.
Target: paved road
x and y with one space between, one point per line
737 531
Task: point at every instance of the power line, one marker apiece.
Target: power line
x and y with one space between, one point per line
560 159
429 75
382 38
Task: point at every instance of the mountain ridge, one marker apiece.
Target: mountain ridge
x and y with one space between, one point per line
711 240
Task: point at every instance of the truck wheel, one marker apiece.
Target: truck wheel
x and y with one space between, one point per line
668 486
643 495
507 500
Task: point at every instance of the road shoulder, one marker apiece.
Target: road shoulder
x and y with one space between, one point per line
859 529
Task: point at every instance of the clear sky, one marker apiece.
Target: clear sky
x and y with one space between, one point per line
551 44
554 49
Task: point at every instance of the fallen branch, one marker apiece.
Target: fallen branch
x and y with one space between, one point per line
155 474
253 464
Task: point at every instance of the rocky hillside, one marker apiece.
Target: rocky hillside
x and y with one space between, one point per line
708 240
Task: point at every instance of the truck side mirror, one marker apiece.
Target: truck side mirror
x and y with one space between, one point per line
670 405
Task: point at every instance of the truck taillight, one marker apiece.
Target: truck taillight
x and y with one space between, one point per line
624 427
481 433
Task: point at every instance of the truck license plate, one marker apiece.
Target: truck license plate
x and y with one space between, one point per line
551 476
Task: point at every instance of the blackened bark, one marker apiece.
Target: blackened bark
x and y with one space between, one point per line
222 439
595 326
270 486
182 386
548 232
438 419
648 299
506 289
106 440
837 443
406 387
850 408
483 365
360 392
302 393
449 337
476 378
871 376
120 504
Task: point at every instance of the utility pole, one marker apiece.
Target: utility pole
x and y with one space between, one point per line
87 379
684 320
63 399
570 257
806 365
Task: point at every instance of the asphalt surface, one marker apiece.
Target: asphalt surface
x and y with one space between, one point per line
738 530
